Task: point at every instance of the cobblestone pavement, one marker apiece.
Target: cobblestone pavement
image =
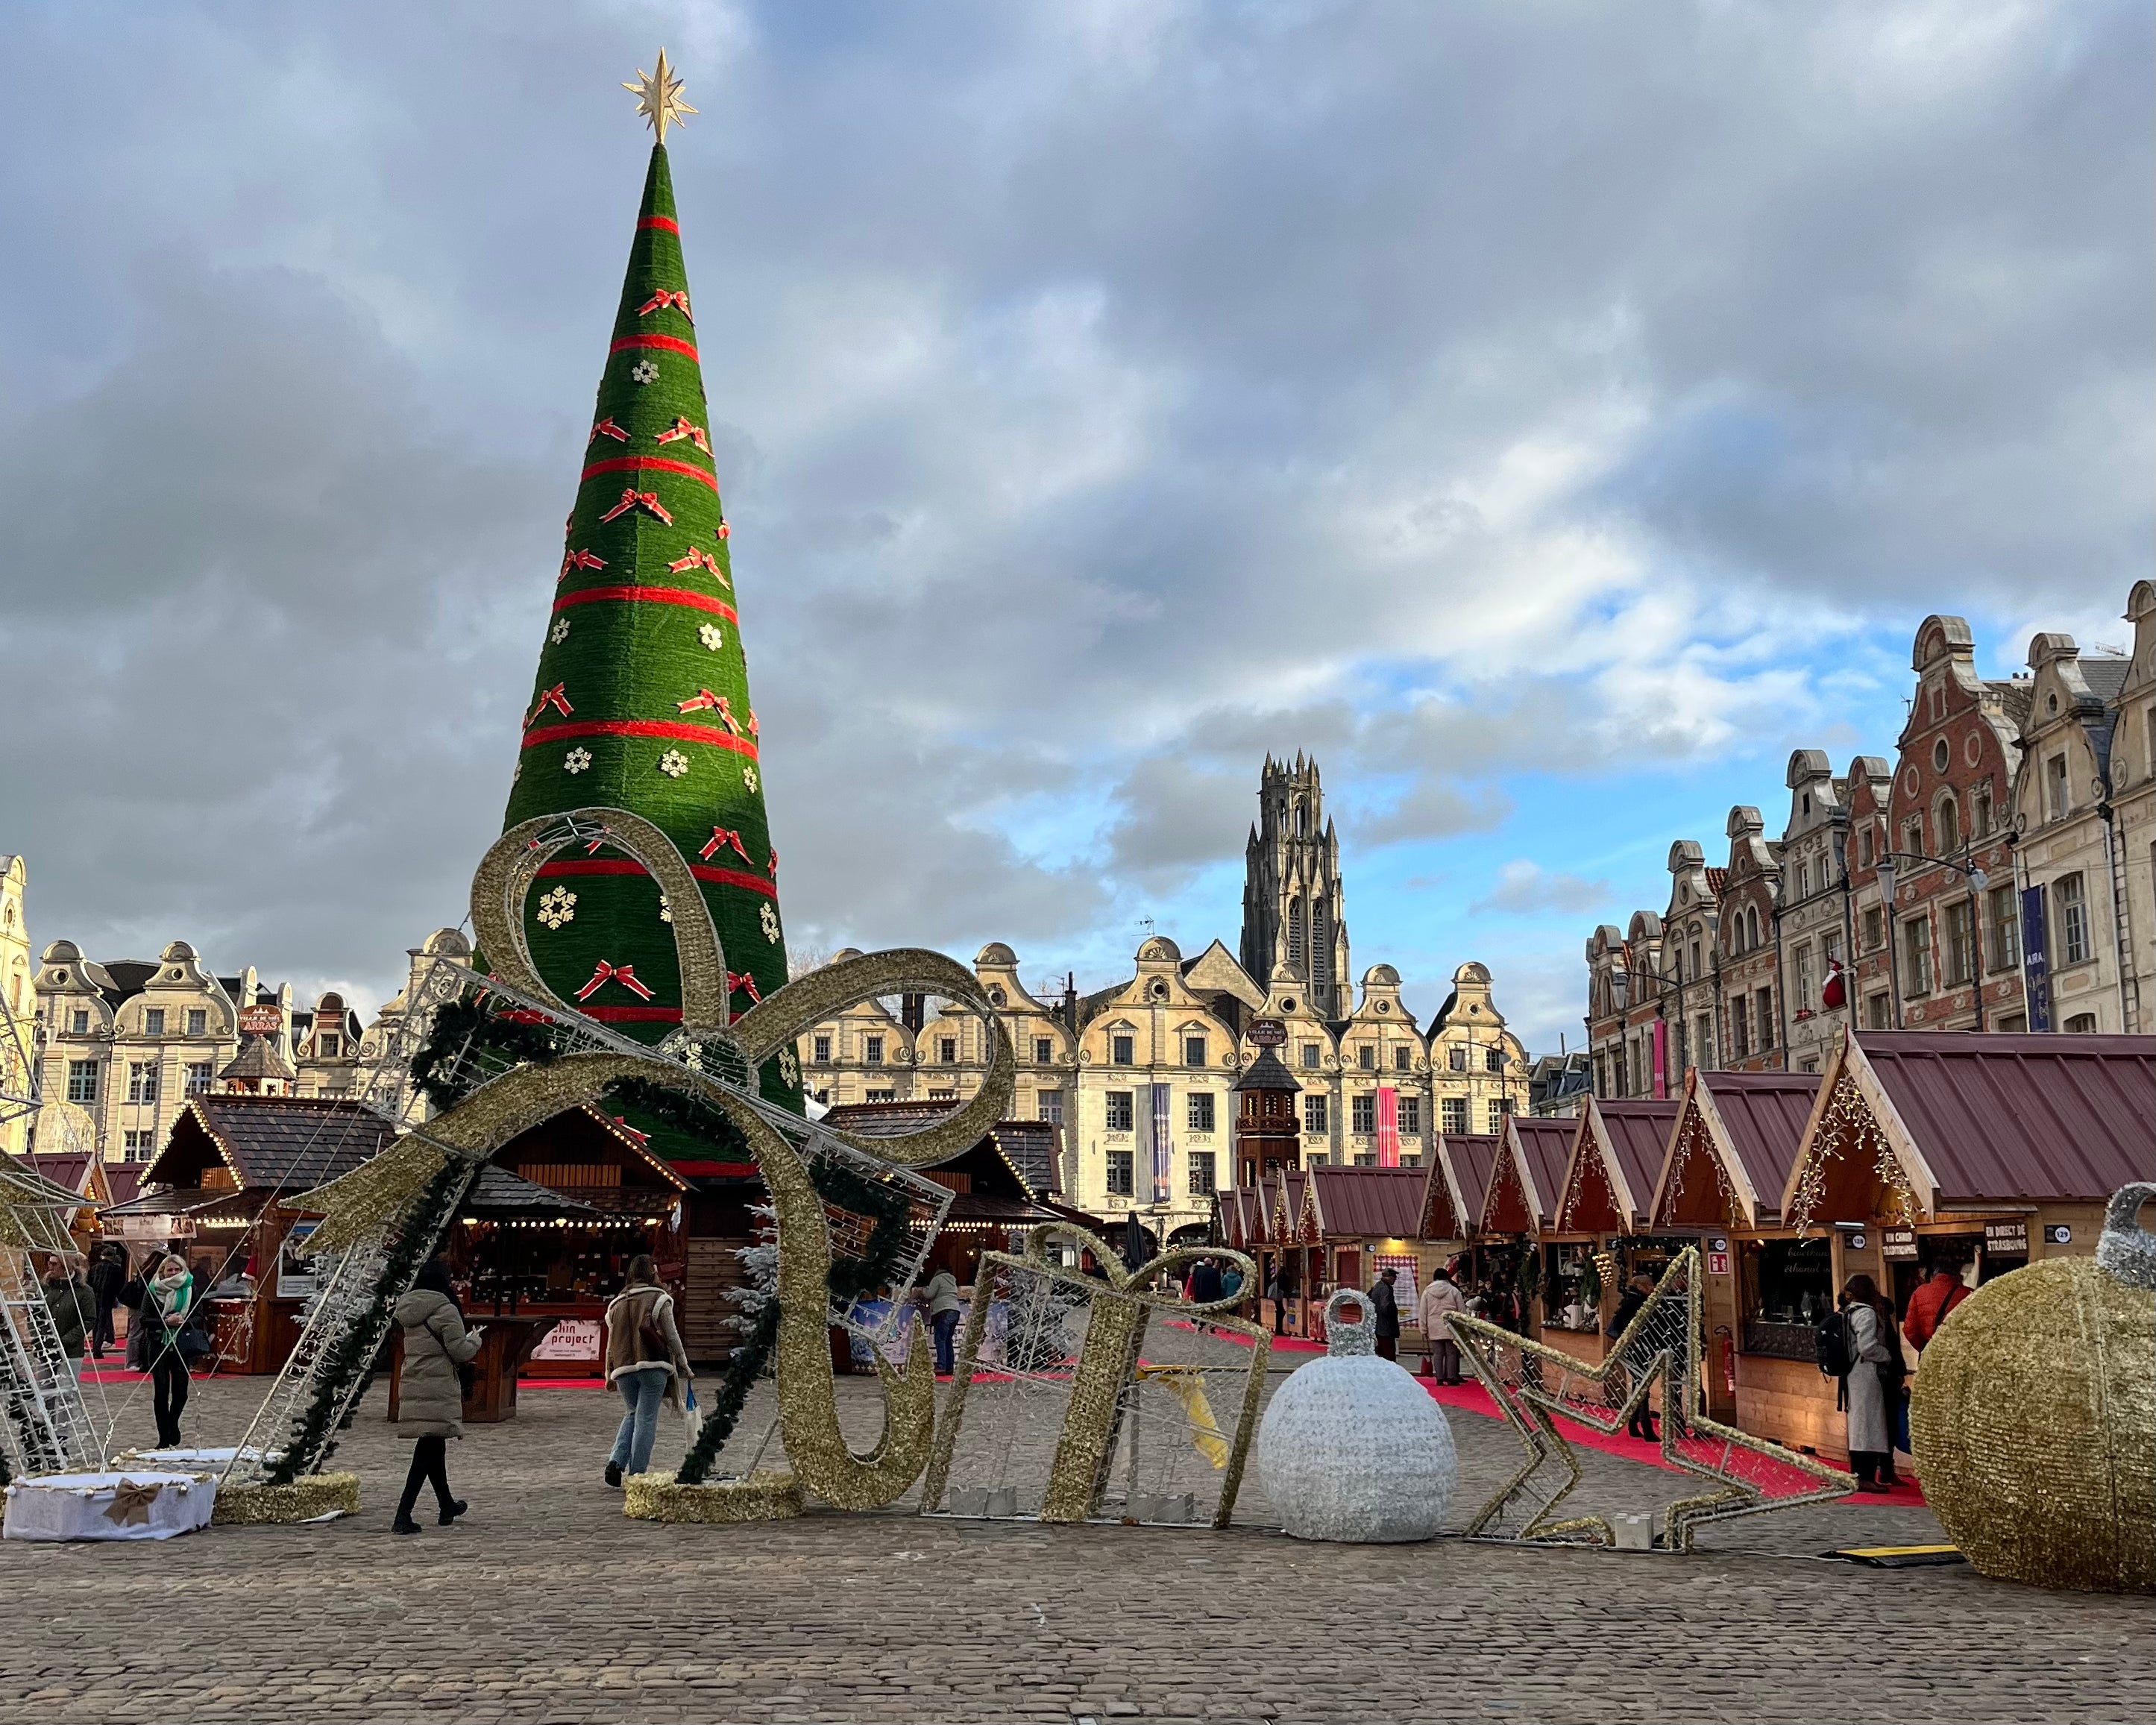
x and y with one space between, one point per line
546 1604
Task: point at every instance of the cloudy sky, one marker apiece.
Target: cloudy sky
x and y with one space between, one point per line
1547 415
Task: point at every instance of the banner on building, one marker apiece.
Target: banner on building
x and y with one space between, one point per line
1661 1060
2035 958
1163 1149
1388 1126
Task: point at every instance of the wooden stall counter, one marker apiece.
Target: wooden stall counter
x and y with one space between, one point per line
504 1343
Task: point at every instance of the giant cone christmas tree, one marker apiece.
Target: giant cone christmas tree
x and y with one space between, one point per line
641 699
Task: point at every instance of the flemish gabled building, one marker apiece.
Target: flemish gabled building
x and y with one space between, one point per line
2133 805
1478 1069
18 1015
1814 915
1689 1002
1956 947
2076 918
1749 961
1869 984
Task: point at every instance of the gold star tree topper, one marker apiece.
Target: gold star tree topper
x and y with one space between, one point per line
659 97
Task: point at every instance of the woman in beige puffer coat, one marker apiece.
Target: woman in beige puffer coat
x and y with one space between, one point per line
430 1397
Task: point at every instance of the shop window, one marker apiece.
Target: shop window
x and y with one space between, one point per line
1119 1111
197 1021
1788 1288
2073 906
82 1081
1120 1171
1572 1294
1410 1115
1043 1050
2003 940
1313 1114
1122 1051
1049 1107
1452 1111
1202 1176
1363 1113
1200 1104
153 1021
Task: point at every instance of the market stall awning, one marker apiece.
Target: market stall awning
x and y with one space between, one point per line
497 1195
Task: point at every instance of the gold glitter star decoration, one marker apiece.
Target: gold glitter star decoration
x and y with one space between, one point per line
1532 1383
659 97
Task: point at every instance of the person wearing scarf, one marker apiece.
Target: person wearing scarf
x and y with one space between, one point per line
163 1301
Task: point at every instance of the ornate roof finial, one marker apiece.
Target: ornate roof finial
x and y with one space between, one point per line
659 97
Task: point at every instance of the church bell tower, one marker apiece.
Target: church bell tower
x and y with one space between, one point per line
1294 909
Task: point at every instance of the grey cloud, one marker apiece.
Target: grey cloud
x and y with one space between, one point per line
1526 889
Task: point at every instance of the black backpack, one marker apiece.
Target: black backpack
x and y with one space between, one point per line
1831 1342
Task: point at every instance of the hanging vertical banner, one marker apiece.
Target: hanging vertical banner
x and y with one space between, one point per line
1661 1060
1162 1148
1388 1126
2035 958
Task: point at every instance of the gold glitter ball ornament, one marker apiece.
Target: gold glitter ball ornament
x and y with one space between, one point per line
2033 1420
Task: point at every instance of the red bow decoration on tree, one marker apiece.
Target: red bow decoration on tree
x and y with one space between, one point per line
701 701
607 427
726 532
640 1139
721 836
746 983
680 428
634 499
552 698
774 862
579 560
625 975
753 730
699 558
726 717
678 298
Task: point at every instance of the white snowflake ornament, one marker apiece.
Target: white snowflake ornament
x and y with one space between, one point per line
558 907
665 908
560 632
644 372
769 918
712 636
789 1068
748 776
576 761
673 763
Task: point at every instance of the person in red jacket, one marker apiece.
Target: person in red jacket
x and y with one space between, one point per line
1930 1304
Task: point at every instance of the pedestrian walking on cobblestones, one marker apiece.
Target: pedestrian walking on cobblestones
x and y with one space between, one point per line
645 1362
1641 1424
1441 1298
163 1301
108 1275
430 1389
1875 1366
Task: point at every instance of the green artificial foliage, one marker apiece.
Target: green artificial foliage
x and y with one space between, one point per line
645 623
465 1029
742 1369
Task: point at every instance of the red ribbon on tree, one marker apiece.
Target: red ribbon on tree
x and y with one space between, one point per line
753 730
625 975
680 428
698 558
726 532
579 560
774 862
678 298
552 698
702 701
606 428
634 499
746 983
720 837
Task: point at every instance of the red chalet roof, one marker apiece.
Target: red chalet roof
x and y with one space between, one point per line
1472 1159
1765 1114
1638 1134
1992 1116
1381 1202
1547 1144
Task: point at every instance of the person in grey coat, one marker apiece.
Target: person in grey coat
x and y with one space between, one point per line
430 1389
1874 1361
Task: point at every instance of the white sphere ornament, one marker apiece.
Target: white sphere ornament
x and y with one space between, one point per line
1351 1448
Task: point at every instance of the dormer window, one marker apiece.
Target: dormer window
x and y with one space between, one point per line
1122 1051
79 1024
153 1021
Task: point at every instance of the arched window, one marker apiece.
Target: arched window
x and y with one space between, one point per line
1751 929
1321 942
1948 823
1302 819
1295 942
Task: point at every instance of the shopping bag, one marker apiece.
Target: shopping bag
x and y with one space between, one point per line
692 1416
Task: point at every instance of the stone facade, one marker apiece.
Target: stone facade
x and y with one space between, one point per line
1903 895
1295 910
18 1042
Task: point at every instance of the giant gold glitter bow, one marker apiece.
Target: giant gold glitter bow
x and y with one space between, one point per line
381 1193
